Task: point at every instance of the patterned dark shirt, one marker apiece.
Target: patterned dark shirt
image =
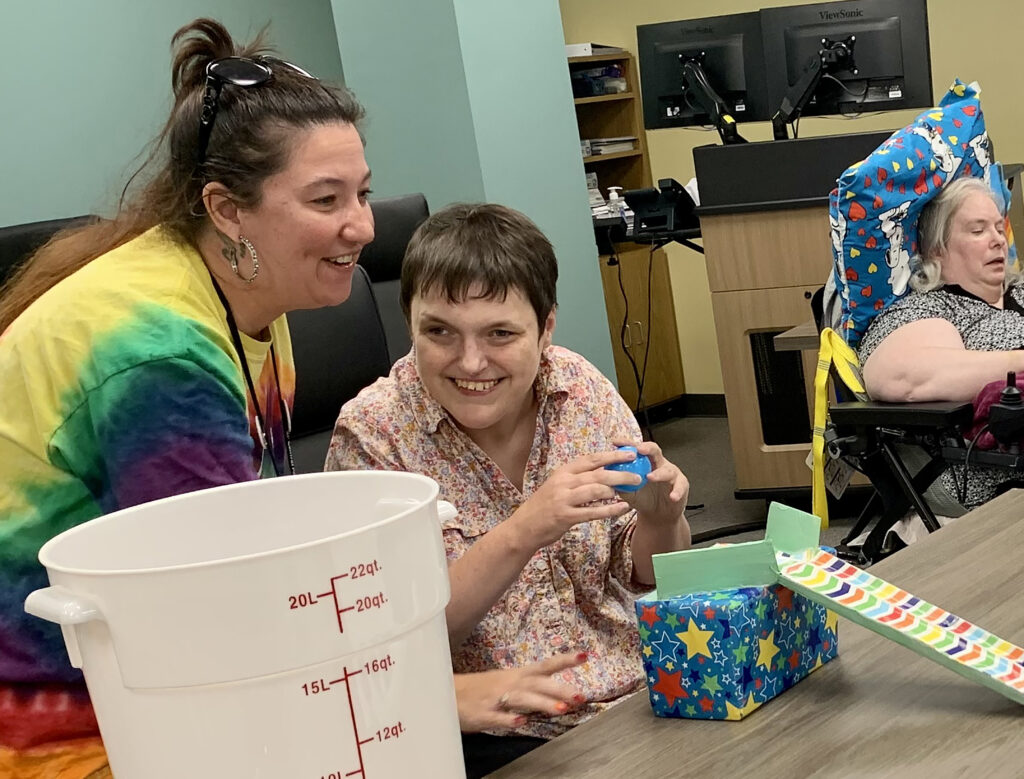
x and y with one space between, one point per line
983 328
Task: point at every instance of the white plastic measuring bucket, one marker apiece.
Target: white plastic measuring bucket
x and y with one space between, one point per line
282 629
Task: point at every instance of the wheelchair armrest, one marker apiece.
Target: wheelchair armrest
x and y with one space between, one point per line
871 413
1007 460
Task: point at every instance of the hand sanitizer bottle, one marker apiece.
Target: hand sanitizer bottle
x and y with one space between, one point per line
618 206
615 203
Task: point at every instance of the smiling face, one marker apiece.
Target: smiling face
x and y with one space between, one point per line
479 358
312 221
975 253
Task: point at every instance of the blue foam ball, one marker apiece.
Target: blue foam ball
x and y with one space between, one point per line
641 466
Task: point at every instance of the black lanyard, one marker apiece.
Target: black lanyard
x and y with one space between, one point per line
286 417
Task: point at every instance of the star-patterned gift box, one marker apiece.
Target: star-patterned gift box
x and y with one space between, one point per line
722 634
720 655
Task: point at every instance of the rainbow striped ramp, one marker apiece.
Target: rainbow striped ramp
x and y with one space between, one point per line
884 608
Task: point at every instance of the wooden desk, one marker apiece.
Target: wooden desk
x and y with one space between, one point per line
799 338
877 710
651 331
767 251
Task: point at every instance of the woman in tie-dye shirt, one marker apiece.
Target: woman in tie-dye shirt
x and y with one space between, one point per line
149 355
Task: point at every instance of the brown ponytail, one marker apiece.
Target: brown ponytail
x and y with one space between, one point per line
250 141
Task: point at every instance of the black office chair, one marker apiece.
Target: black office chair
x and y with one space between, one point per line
338 351
396 219
18 242
341 349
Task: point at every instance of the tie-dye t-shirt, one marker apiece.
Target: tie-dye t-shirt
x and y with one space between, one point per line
118 386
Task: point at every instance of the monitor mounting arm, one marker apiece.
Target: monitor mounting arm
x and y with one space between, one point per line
695 80
832 57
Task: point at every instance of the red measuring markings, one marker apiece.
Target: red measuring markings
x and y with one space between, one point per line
387 733
364 602
357 571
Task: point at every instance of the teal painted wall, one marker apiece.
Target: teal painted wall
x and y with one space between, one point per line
529 150
85 84
403 60
470 100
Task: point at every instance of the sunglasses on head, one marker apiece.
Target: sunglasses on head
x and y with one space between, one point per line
239 72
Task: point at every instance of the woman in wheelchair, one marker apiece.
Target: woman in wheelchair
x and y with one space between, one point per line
963 325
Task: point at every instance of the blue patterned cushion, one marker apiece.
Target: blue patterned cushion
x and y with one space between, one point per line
876 204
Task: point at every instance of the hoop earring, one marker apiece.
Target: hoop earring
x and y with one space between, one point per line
255 261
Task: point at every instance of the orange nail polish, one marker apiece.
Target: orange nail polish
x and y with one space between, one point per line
561 707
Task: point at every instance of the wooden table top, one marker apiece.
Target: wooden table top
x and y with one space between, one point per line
800 338
877 710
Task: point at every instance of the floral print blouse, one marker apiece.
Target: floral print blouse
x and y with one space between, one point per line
574 595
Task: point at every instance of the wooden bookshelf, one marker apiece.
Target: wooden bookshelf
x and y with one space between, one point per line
614 115
616 57
604 98
610 116
615 155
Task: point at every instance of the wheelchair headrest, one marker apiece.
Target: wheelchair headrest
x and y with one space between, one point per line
874 209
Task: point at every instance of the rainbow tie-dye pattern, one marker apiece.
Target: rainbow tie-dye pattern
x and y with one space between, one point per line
945 638
118 386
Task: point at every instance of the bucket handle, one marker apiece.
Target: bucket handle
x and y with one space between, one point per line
445 510
66 608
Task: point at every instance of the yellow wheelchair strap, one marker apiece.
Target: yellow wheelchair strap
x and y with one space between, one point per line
832 350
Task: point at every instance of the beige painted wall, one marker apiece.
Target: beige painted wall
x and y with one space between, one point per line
984 47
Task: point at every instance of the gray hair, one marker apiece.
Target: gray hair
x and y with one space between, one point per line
933 230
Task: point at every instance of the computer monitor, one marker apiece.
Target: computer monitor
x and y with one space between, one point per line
888 66
729 51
